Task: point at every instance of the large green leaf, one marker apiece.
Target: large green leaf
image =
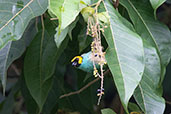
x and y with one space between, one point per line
53 96
15 16
125 56
156 3
13 50
159 36
108 111
57 88
66 10
3 64
39 65
31 105
147 93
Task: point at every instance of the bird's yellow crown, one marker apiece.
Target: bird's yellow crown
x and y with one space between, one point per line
80 59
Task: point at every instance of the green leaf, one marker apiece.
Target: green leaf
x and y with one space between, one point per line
87 12
53 96
103 17
39 65
55 7
107 111
66 10
133 107
125 55
60 36
31 105
13 50
155 4
15 16
8 105
84 40
147 93
4 64
159 36
57 88
72 26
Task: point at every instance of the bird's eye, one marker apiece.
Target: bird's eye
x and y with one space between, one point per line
74 63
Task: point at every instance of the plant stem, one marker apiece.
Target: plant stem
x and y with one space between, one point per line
83 88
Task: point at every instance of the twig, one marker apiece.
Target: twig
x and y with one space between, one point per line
168 102
36 24
17 14
116 4
53 19
80 90
83 88
15 69
97 5
101 87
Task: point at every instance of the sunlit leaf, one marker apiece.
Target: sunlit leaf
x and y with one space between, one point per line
60 36
66 10
125 56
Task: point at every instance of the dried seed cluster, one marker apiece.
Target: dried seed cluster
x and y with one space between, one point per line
94 29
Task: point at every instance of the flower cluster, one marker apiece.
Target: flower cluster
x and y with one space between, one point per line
94 29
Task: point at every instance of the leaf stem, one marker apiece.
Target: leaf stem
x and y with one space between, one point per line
101 87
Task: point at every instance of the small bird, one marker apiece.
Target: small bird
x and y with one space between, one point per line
84 62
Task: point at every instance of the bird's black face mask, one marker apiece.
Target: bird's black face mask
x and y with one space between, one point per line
76 61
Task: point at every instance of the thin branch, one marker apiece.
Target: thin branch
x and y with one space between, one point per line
101 87
83 88
80 90
17 14
168 102
97 5
36 24
14 67
53 19
116 4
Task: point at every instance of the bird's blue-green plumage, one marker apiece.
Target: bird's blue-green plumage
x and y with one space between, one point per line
87 64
